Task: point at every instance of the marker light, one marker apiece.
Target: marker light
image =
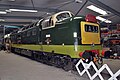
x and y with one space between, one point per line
90 18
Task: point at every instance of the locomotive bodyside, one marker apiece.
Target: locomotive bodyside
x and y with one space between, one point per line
70 36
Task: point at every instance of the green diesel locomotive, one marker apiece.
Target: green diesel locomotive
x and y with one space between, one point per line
60 39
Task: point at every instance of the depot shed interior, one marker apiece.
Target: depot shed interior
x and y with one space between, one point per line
11 16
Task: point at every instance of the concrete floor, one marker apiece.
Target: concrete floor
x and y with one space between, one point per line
114 64
14 67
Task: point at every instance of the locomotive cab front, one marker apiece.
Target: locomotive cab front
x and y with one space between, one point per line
90 38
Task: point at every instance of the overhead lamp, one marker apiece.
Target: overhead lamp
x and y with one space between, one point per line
8 26
20 10
3 12
78 1
2 20
11 0
103 19
8 11
96 9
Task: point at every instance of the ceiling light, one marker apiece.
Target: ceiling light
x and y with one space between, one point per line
11 0
3 12
103 19
8 26
78 1
8 11
96 9
20 10
2 20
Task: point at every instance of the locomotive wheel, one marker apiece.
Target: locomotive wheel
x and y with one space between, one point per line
45 58
48 59
57 61
51 61
67 63
33 55
74 62
40 57
36 57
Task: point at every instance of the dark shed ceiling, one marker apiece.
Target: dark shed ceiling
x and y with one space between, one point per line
52 6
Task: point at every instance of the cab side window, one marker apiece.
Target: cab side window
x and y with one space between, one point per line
47 23
62 16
